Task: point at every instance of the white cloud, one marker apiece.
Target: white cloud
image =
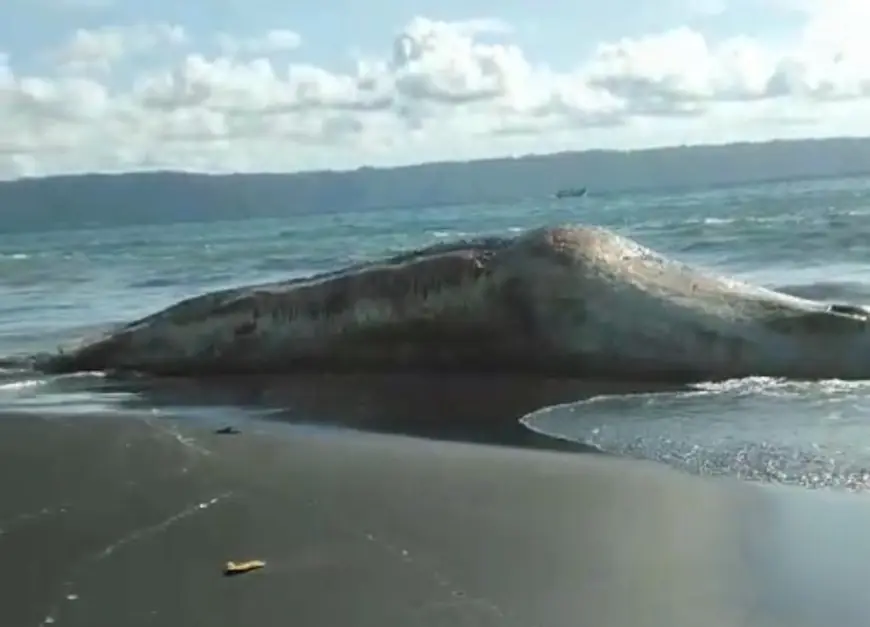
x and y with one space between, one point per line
278 40
99 49
438 90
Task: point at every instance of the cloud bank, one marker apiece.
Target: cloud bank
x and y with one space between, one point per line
151 96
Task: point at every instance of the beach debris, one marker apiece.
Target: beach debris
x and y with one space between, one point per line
239 568
228 430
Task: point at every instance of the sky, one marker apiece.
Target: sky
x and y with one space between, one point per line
286 85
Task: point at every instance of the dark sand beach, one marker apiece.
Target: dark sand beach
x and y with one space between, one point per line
122 521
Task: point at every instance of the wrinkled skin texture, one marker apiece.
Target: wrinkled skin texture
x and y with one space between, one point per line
572 301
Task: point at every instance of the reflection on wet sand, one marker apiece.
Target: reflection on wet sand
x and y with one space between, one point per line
473 409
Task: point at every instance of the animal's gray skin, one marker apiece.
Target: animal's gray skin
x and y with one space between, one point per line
573 301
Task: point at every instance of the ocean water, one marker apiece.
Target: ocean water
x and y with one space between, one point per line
809 238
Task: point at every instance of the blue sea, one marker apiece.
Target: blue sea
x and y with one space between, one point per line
810 238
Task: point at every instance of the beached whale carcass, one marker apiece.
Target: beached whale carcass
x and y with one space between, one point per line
573 301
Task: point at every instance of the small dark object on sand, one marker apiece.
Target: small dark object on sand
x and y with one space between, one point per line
240 568
227 431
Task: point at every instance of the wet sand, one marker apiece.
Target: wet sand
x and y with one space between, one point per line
119 521
466 408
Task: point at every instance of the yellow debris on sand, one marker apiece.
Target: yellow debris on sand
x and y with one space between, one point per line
238 568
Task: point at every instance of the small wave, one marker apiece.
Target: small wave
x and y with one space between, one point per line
757 428
688 222
829 290
15 386
276 263
155 282
778 386
25 391
15 363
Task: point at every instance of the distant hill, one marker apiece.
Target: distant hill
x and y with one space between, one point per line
161 197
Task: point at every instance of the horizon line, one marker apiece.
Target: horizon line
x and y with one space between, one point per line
443 162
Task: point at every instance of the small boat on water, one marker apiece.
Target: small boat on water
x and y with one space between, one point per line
573 192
